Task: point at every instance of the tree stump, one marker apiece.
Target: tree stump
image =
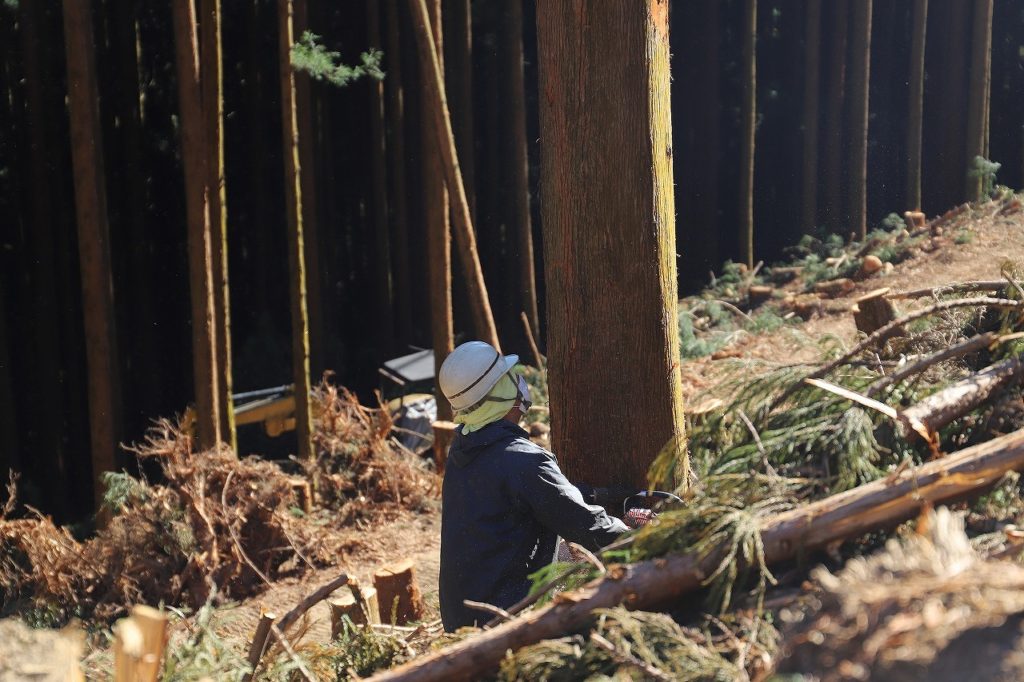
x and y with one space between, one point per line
348 605
758 294
873 311
398 595
443 433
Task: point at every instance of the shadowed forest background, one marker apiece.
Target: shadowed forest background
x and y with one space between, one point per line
363 205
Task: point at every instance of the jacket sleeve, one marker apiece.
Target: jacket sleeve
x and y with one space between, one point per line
558 504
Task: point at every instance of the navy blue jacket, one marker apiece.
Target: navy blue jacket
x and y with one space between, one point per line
504 503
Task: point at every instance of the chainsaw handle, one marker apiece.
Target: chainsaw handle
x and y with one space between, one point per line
659 494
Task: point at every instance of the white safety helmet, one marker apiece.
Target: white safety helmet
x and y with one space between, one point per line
471 371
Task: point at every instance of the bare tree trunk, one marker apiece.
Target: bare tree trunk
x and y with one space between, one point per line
93 242
515 99
609 237
812 94
394 85
919 27
457 57
439 238
748 116
310 222
212 83
296 246
977 100
378 173
832 173
860 79
200 256
437 108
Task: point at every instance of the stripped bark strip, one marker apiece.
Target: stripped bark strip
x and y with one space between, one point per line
880 504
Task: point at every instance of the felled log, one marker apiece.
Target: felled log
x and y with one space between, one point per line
398 595
835 288
39 654
646 585
954 401
954 288
873 311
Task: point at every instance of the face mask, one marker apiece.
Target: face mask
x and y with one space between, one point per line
524 394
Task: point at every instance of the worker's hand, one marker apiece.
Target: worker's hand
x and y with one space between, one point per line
613 495
638 516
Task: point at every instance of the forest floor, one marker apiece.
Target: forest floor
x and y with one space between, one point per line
974 243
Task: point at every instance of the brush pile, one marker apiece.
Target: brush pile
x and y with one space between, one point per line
215 524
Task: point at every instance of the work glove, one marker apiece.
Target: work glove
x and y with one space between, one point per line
638 516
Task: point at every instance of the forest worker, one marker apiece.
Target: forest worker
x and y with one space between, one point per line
504 500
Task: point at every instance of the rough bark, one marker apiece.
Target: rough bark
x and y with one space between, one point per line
93 242
880 504
748 125
398 596
812 94
439 236
437 108
378 174
200 256
609 237
977 99
860 77
310 222
393 87
918 34
874 310
511 49
211 71
296 247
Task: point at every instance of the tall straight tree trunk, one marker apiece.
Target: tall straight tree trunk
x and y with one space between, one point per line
296 249
378 174
437 109
977 100
918 28
860 79
832 175
439 238
310 222
394 85
511 49
93 241
457 27
812 95
200 248
609 237
748 123
211 72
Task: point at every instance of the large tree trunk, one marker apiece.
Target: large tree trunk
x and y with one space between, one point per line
511 49
609 236
439 237
200 257
880 504
457 57
378 174
812 94
832 172
918 28
212 81
748 124
437 109
296 247
977 98
93 242
393 88
860 78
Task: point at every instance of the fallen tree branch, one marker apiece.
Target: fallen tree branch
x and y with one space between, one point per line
954 288
794 533
963 348
306 604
